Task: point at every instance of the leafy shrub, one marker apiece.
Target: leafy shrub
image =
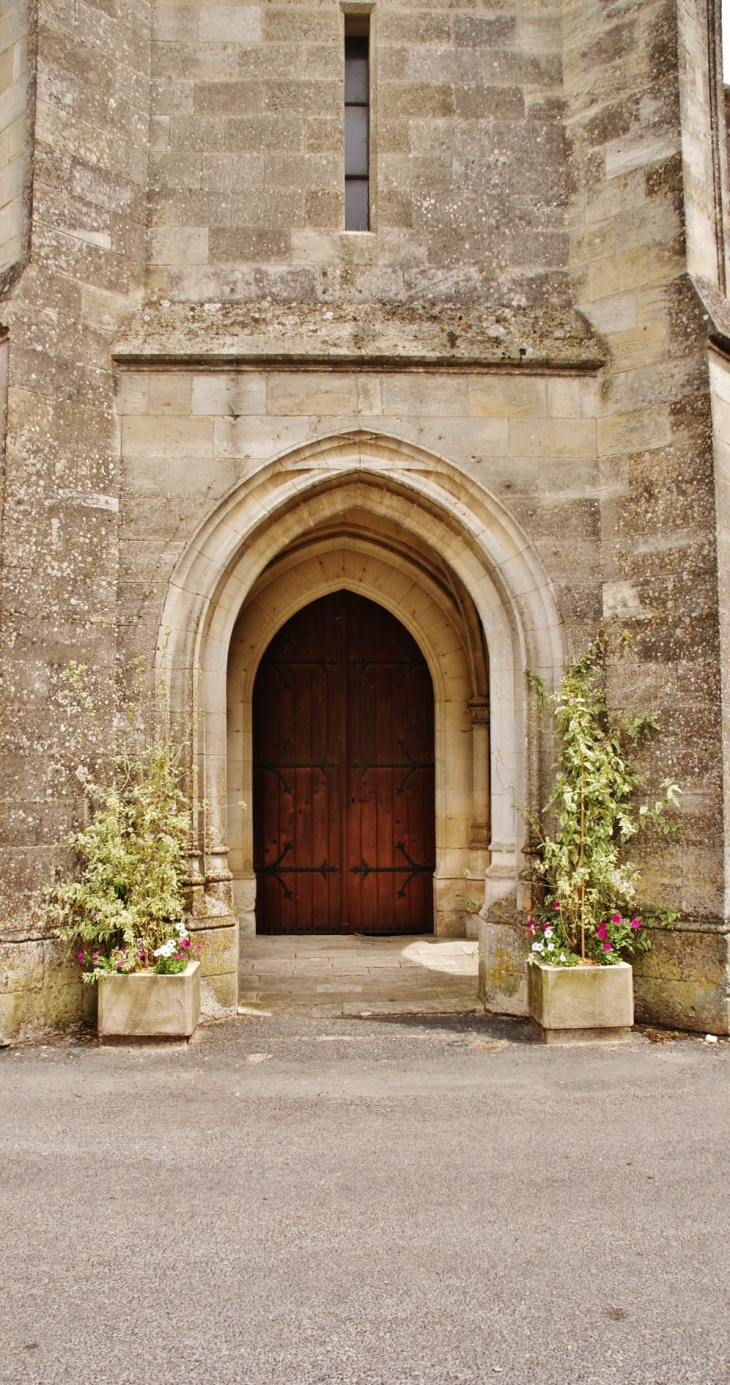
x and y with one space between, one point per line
589 909
125 906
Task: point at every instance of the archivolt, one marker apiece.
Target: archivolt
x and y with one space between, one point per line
401 487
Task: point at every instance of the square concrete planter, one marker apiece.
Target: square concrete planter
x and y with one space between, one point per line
144 1005
573 1004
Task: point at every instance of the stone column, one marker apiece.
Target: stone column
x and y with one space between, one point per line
479 831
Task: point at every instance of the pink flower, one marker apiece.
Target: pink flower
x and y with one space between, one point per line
555 904
601 931
636 923
544 927
531 928
615 918
80 957
607 947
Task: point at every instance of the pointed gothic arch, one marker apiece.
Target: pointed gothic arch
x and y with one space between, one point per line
412 531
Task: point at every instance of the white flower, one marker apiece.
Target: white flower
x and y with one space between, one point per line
551 947
562 956
537 947
548 932
166 950
182 930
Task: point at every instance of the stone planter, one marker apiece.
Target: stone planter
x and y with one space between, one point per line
144 1005
574 1004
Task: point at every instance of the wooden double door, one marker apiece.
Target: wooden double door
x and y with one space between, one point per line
343 748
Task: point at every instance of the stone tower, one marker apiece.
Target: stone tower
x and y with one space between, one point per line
468 362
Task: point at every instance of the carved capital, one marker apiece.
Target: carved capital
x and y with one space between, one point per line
479 711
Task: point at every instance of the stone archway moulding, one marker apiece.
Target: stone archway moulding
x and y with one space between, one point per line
362 564
287 500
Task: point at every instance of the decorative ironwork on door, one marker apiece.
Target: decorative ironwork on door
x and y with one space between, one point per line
343 774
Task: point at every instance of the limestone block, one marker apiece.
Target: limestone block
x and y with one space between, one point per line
179 245
406 26
573 398
133 392
40 989
219 993
148 438
169 392
447 907
219 954
503 953
639 347
21 967
315 244
507 396
617 313
259 438
103 310
369 397
229 24
467 438
414 394
175 23
633 432
312 393
244 894
229 394
568 439
228 98
631 269
247 925
627 153
568 1004
61 975
248 243
684 982
145 1005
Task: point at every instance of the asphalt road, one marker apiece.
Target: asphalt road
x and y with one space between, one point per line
365 1202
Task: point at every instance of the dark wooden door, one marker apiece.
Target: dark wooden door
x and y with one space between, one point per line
343 774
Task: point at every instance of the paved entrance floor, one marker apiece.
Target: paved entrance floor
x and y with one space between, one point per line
353 975
386 1201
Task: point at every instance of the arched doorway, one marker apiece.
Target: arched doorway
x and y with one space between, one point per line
343 774
380 516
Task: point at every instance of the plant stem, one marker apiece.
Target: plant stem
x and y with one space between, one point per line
582 846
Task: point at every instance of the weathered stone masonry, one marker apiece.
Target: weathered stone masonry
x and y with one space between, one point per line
504 412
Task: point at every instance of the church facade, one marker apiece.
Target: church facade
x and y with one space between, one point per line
393 330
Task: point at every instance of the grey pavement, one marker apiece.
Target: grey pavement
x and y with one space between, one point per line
321 975
413 1201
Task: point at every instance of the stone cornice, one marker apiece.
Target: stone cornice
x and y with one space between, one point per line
366 336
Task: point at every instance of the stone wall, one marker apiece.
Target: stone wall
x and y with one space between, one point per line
247 171
60 551
657 509
17 81
533 305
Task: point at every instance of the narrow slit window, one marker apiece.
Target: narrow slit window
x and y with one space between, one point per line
357 128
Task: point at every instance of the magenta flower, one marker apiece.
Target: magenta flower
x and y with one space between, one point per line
601 931
607 947
555 904
615 918
80 957
544 927
531 927
636 923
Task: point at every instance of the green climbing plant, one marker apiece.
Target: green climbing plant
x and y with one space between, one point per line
124 908
590 910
